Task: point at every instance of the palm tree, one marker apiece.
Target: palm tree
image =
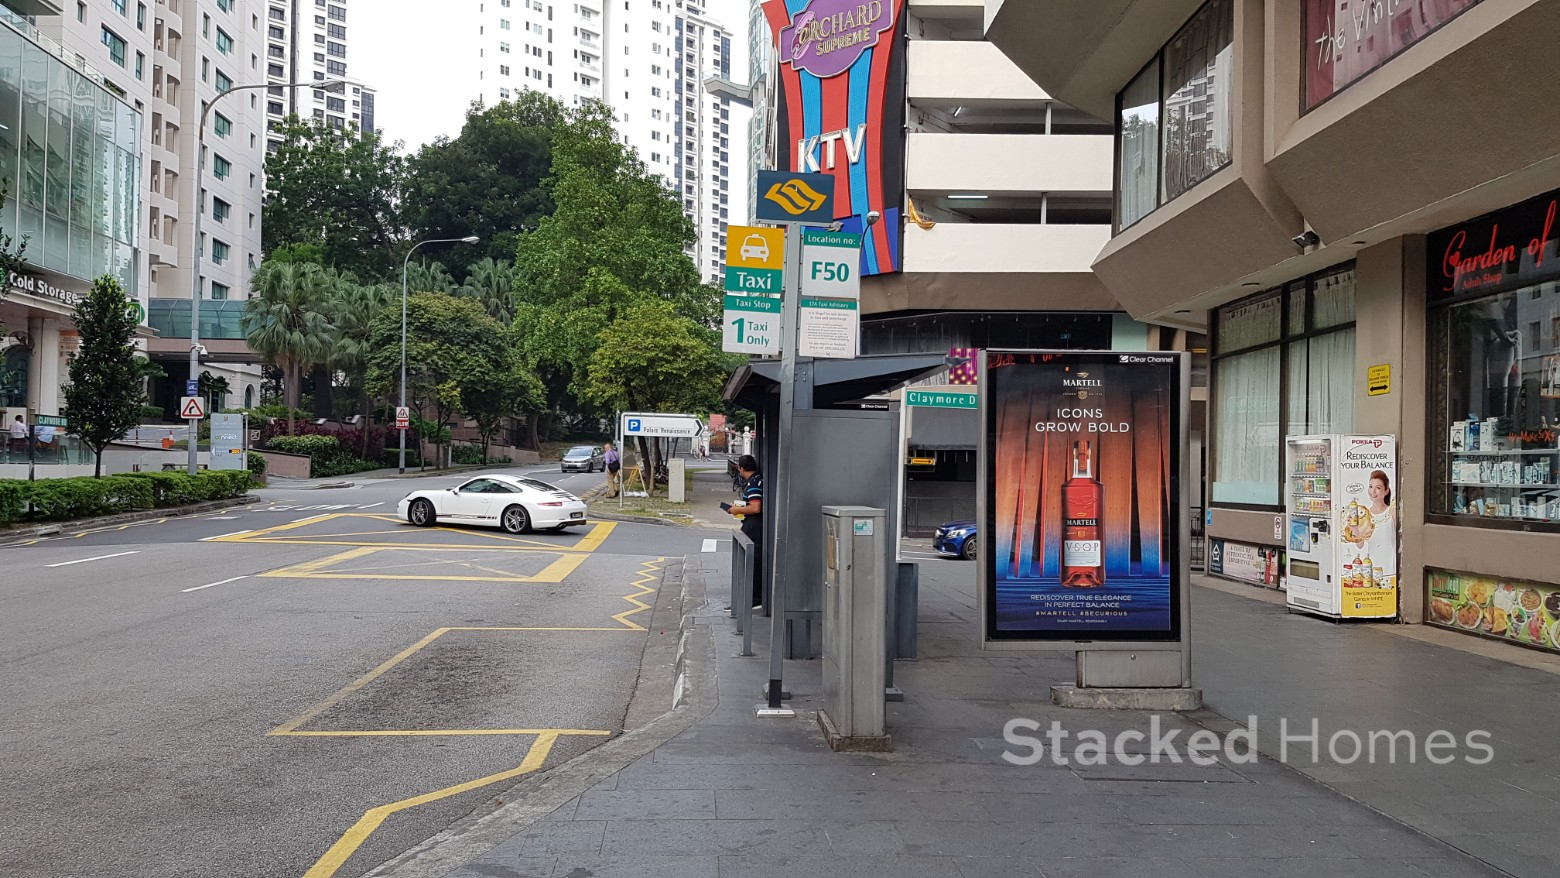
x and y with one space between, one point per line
491 282
354 308
423 276
286 322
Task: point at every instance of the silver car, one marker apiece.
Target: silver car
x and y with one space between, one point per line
584 459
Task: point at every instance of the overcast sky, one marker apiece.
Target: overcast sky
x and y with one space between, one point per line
414 53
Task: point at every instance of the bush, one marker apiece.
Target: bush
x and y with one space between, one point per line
84 496
256 466
472 454
315 447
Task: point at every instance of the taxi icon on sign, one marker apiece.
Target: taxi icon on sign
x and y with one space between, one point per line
755 247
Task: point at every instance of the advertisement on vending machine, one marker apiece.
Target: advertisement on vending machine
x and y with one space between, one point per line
1082 496
1367 526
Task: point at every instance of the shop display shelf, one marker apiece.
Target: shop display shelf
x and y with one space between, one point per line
1505 451
1525 486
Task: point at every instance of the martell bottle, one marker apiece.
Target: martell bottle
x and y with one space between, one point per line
1083 549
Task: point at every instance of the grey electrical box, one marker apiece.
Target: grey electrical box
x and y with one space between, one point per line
855 592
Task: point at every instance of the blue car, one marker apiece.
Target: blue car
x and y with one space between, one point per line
955 539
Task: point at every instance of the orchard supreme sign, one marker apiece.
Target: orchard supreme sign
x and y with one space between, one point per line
841 110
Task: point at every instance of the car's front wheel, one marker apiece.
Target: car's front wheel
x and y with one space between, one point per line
515 520
967 552
421 513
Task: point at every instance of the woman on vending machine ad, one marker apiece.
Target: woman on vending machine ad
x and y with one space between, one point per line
1368 529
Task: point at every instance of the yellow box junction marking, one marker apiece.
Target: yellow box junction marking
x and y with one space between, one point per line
490 540
328 568
353 838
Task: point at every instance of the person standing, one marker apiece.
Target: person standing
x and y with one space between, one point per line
614 470
752 511
19 435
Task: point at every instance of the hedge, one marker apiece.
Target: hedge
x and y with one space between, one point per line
327 455
84 496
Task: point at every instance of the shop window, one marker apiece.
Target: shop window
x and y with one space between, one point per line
1283 365
1174 120
1496 379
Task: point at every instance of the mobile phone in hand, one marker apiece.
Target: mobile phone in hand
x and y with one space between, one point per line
725 507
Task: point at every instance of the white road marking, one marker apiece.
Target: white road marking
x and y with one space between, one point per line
221 536
709 546
98 558
305 518
221 518
372 505
210 584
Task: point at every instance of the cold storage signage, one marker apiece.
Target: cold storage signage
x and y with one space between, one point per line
1081 535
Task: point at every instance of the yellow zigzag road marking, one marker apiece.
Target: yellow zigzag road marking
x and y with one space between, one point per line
647 574
354 837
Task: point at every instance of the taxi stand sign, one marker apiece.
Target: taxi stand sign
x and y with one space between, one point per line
751 325
755 265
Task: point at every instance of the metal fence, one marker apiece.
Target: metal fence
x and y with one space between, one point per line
742 588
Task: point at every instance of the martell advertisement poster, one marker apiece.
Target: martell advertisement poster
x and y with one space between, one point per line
1367 526
1083 495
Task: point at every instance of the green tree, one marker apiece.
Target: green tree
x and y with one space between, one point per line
287 321
352 314
487 181
335 190
452 351
652 360
104 398
615 239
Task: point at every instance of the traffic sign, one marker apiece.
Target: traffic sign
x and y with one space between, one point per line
831 264
403 417
942 399
756 247
192 408
829 328
751 325
784 197
673 426
192 387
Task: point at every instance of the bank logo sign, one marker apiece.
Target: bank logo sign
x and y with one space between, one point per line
829 35
795 198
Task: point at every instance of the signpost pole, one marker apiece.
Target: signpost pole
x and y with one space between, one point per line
790 301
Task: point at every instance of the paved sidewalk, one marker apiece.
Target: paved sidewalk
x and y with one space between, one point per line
738 796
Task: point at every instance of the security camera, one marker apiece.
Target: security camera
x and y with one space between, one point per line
1306 239
872 218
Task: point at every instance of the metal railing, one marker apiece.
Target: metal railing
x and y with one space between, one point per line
742 588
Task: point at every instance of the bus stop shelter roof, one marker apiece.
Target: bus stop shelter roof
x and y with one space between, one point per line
834 381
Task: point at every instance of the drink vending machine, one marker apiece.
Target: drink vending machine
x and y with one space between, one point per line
1341 522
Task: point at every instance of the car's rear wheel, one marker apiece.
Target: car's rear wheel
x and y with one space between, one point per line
967 552
421 513
515 520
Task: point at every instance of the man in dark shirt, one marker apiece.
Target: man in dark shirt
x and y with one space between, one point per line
752 510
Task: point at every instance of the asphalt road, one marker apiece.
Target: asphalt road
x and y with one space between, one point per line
277 689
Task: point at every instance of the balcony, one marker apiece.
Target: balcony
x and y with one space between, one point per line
958 74
996 248
1008 163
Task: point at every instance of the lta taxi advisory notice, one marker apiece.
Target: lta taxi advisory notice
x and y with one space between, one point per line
1081 495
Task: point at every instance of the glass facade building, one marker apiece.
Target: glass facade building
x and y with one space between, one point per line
70 156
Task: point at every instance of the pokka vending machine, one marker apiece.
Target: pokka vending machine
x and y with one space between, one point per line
1342 526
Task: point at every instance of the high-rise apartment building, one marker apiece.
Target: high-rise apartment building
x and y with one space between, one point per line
306 40
647 59
165 62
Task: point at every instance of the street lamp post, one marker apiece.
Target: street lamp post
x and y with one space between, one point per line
469 239
200 181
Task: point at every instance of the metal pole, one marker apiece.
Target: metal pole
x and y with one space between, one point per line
469 239
790 306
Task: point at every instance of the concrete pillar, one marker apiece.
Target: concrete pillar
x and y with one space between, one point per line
48 360
34 373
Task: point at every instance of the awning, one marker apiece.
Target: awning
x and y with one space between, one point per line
936 429
835 381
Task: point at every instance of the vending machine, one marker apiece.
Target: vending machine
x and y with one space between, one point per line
1342 527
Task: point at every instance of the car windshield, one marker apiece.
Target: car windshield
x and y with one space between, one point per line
535 485
579 451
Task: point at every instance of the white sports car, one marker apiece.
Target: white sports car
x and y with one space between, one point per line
515 503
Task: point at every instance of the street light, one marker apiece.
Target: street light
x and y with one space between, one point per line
200 181
469 239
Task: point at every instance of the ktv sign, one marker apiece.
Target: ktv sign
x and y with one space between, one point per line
840 104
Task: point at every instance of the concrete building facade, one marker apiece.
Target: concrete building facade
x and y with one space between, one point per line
1356 199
